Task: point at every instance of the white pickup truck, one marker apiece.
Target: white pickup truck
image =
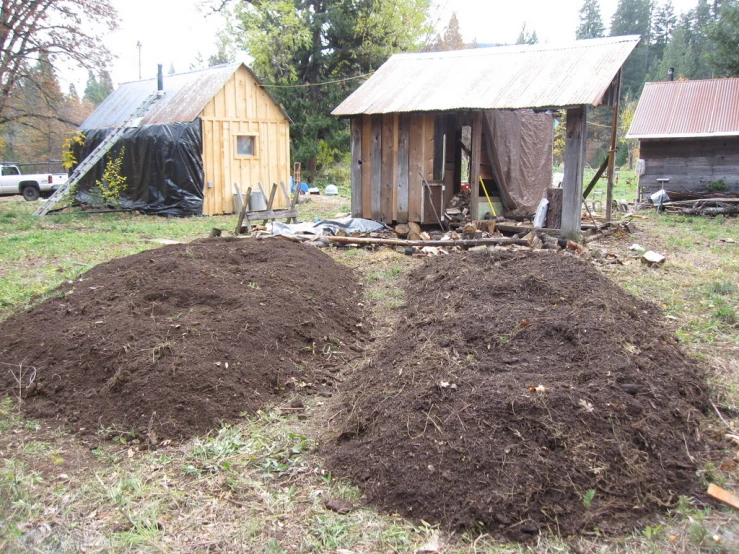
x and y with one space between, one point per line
30 186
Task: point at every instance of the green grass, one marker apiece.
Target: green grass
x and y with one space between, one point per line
259 485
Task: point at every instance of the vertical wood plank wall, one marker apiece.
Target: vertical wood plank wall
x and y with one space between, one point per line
390 153
243 107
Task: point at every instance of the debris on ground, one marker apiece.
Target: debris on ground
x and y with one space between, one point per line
173 342
521 393
652 258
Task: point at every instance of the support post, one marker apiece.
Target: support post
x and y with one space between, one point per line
575 140
475 164
612 150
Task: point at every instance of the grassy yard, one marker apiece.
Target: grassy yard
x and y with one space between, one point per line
259 486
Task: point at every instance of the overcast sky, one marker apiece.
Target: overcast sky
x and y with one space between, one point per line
174 31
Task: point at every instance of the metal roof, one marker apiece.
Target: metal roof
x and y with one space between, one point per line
504 77
186 94
675 109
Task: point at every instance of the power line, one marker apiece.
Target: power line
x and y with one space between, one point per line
319 84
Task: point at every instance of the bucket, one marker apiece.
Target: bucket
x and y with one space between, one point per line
257 202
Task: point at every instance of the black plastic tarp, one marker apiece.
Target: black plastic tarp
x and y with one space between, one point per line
163 165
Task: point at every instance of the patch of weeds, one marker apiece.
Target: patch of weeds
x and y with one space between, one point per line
587 498
722 288
264 441
653 532
725 314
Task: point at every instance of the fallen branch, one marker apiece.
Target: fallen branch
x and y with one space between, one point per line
421 243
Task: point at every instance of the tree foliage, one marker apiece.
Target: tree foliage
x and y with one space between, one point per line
526 36
633 17
723 37
98 87
315 53
451 39
591 21
59 31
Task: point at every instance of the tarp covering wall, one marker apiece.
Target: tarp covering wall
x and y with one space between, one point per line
523 140
163 165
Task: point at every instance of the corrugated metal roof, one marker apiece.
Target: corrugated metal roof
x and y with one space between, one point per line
674 109
186 94
504 77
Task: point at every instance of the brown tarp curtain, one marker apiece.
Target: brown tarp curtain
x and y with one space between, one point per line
523 140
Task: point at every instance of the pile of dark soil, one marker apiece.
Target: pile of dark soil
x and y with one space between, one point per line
171 342
520 393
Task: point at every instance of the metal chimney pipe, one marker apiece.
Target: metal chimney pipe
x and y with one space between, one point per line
160 77
670 74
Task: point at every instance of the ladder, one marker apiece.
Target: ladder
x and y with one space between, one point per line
97 154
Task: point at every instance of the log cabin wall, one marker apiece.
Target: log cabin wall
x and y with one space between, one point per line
243 109
390 152
690 164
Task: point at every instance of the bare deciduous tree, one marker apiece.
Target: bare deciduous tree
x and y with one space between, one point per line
56 30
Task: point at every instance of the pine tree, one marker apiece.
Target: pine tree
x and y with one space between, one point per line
723 38
98 87
663 25
591 22
633 17
452 38
678 55
524 37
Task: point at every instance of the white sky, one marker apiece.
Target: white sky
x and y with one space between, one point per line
174 31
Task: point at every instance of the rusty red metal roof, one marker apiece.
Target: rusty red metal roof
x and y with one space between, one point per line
504 77
186 94
675 109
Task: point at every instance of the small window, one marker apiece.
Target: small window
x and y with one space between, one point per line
10 170
246 145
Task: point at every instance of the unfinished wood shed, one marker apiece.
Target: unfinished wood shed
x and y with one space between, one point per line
208 130
688 133
422 117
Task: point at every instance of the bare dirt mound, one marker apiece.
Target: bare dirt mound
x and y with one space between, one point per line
522 393
170 342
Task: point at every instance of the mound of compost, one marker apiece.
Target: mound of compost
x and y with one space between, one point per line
171 342
522 393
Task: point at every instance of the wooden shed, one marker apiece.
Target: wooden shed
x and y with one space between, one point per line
422 117
689 135
210 129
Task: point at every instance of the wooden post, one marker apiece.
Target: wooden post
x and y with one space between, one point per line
475 164
404 125
242 213
376 171
356 138
575 140
271 200
554 213
612 151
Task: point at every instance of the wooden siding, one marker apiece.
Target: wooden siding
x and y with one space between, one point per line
242 107
390 154
690 164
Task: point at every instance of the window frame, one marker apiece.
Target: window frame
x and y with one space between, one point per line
254 136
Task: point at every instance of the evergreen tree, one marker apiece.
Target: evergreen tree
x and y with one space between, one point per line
678 55
98 87
171 70
633 17
318 51
663 24
452 38
591 22
524 37
723 38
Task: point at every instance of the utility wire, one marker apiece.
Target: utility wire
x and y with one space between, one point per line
319 84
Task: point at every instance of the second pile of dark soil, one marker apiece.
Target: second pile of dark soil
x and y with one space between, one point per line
172 342
522 393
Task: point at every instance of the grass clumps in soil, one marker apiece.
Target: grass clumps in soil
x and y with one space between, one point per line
522 393
173 342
